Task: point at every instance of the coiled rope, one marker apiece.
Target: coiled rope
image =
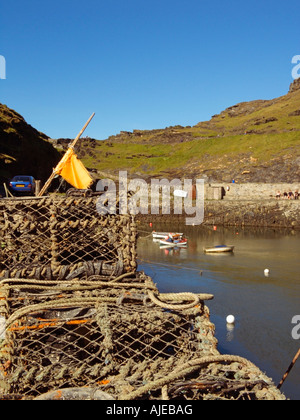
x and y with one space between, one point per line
184 370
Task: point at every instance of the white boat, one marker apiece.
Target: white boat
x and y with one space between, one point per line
219 249
182 242
163 235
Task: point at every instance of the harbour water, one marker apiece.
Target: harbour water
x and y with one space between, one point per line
262 305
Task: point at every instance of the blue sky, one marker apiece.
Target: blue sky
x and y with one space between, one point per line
141 64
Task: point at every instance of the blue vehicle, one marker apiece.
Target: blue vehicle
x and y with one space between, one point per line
23 184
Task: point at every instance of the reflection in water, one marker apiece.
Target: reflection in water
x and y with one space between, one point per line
264 305
230 332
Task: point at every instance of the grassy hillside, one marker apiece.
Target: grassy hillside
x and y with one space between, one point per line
251 141
23 149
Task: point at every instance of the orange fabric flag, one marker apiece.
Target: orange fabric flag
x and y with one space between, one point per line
73 171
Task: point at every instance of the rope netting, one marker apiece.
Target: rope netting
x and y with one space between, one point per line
81 322
119 336
50 238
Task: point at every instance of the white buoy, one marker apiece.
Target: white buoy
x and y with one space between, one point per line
230 319
267 272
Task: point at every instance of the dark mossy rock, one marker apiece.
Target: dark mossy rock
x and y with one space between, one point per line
23 149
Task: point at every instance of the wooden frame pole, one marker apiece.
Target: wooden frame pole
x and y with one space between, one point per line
289 369
71 146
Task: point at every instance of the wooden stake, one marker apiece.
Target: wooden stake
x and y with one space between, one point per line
7 192
289 369
72 145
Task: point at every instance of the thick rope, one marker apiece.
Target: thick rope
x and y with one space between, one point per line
57 304
178 298
182 371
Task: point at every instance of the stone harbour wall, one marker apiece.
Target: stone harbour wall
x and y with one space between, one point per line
258 213
243 213
248 191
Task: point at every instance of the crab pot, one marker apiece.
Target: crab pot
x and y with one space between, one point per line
53 238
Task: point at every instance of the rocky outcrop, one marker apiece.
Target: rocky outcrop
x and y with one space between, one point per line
23 149
295 86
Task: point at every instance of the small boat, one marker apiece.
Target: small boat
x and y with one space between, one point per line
173 243
162 235
219 249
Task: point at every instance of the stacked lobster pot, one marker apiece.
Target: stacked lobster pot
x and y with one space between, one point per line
77 321
51 238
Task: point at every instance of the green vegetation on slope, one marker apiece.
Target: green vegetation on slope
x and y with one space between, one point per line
251 141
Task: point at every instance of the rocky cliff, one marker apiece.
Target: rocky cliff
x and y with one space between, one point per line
23 149
295 86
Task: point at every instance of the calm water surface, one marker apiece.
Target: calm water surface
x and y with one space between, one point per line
263 306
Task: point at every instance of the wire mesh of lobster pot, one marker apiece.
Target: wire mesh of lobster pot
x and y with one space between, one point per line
53 238
117 336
